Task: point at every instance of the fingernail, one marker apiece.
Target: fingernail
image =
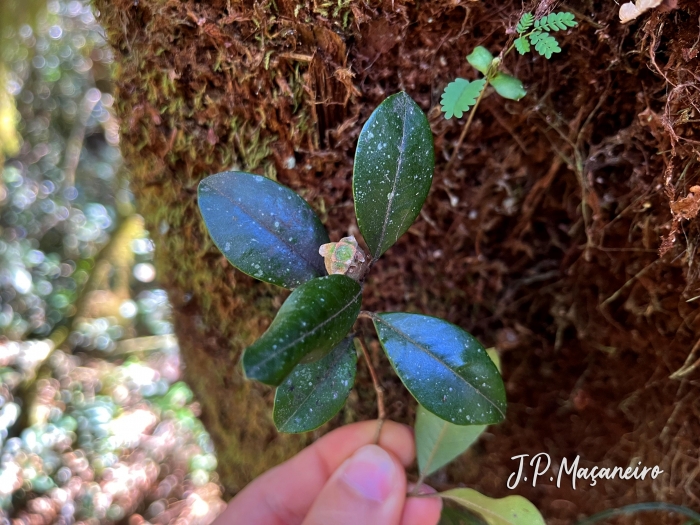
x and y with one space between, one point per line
424 489
370 473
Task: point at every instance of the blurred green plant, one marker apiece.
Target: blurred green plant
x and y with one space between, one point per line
94 422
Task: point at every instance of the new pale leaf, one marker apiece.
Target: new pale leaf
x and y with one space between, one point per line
525 22
439 442
481 58
511 510
508 86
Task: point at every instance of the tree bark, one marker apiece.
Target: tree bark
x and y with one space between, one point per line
502 247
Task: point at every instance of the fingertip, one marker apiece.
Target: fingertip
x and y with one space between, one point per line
422 510
399 440
369 487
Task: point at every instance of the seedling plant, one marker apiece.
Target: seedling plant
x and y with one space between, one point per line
461 95
309 352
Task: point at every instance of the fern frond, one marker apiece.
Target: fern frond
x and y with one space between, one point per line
556 22
545 44
522 45
459 96
525 23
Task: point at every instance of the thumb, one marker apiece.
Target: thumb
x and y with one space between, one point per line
369 487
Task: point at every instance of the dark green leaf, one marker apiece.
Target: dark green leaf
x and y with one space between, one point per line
511 510
315 317
263 228
452 514
481 59
439 442
394 166
446 369
313 393
459 96
508 86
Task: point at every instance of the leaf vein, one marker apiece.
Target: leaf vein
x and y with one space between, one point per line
402 149
276 353
437 358
250 214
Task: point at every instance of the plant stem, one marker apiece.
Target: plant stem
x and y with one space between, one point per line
466 127
414 493
381 410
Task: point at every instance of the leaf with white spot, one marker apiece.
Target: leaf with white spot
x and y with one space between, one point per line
445 368
393 170
439 442
263 228
313 393
314 318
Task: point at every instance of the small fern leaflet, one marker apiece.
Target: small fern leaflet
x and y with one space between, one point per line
459 96
545 44
525 23
522 45
556 22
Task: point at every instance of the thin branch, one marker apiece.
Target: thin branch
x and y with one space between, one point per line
381 410
466 128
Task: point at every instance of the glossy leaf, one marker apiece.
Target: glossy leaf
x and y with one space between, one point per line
393 171
439 442
481 58
445 368
263 228
314 318
511 510
508 86
313 393
459 96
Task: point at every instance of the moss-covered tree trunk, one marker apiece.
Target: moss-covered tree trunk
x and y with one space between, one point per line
542 239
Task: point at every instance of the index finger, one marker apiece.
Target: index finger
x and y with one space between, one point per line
284 494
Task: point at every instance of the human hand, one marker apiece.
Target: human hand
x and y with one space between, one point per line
341 479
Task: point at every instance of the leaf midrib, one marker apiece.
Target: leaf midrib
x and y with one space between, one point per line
436 445
307 334
431 354
402 149
265 227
